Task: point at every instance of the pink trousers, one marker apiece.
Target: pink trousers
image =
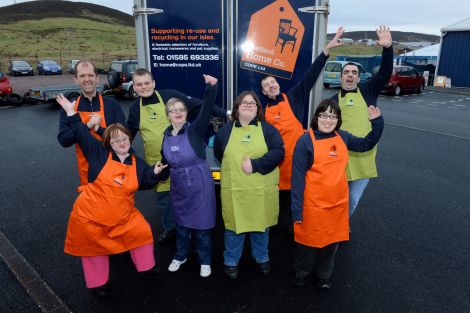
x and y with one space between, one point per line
96 268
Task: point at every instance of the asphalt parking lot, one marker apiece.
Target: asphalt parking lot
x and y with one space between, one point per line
408 252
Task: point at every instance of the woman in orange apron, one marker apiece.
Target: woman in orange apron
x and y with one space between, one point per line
320 190
104 220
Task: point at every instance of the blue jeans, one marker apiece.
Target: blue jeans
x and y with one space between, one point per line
203 244
234 246
164 204
356 189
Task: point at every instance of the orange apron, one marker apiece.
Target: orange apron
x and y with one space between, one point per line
282 117
326 195
104 220
81 160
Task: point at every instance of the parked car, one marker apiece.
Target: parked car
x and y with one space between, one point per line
46 67
332 73
19 68
404 78
5 87
71 65
7 97
120 78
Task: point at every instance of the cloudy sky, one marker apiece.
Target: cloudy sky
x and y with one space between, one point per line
421 16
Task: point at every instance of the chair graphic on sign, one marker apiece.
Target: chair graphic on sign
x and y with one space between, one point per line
286 34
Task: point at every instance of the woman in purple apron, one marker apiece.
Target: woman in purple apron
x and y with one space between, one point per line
191 184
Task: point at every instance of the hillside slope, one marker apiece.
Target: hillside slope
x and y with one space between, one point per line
397 36
42 9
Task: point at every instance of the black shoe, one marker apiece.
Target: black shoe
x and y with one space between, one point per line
167 236
264 268
298 280
154 270
323 284
100 291
231 271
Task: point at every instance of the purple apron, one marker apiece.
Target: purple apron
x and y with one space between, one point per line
191 185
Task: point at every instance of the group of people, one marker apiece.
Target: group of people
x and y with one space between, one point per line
267 159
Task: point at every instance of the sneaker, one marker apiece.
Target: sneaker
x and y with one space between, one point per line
298 280
231 271
323 284
264 268
205 270
175 265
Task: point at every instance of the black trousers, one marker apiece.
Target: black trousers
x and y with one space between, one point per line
308 259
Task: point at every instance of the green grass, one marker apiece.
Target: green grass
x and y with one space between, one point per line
64 39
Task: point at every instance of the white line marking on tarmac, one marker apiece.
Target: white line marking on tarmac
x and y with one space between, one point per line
427 131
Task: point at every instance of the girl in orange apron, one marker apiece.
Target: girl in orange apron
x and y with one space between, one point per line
104 220
320 190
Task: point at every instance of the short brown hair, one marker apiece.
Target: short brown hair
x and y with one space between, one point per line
238 101
171 102
85 61
142 72
111 131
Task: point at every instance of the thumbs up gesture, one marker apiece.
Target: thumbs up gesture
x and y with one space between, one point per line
247 168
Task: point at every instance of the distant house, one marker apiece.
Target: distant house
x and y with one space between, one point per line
413 45
454 57
367 42
347 41
424 56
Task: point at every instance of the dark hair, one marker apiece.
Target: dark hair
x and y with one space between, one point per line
323 107
349 63
142 72
84 61
264 78
238 101
111 131
172 102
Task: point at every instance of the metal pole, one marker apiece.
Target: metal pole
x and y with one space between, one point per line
231 22
319 42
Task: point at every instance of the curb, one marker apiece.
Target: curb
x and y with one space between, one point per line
39 291
455 91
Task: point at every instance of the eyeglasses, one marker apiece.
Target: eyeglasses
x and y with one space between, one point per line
177 110
248 103
119 141
326 116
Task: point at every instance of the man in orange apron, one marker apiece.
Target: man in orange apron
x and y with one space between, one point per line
95 111
320 190
285 111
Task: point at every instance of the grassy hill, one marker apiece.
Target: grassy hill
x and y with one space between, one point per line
397 36
63 31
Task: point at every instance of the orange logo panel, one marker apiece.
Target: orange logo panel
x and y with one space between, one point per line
273 40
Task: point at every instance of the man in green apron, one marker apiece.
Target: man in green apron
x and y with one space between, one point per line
353 101
147 115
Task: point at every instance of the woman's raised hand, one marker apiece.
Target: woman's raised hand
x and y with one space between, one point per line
209 79
374 112
159 167
68 106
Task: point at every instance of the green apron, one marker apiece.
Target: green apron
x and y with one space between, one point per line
249 202
355 116
153 122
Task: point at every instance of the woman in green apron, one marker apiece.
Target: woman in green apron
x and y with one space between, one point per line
249 150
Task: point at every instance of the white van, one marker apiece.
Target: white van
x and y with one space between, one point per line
72 65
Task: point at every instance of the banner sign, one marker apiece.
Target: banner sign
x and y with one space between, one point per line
269 37
273 40
185 43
